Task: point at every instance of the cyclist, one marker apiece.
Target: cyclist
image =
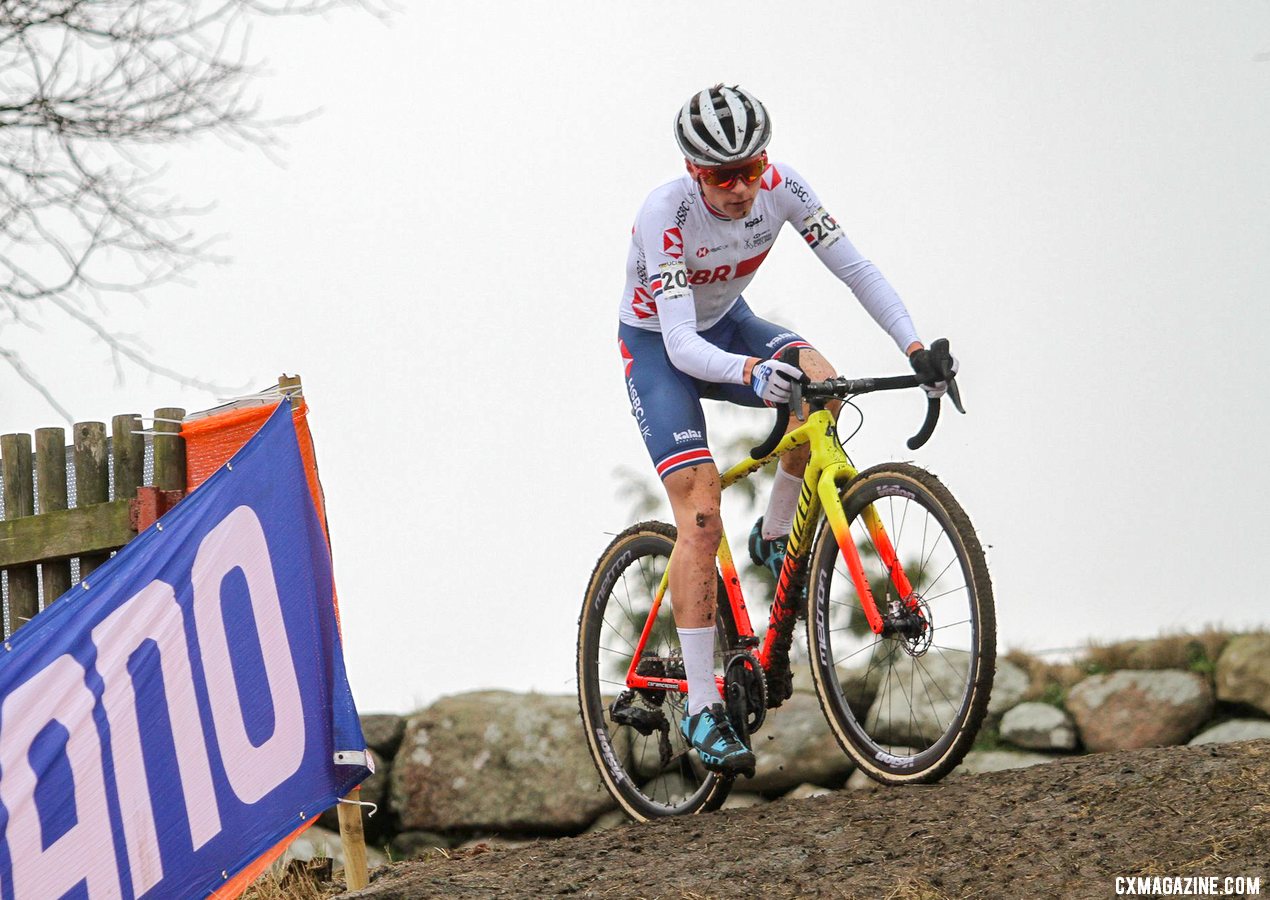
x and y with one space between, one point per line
686 333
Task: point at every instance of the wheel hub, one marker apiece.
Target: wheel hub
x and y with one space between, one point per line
911 624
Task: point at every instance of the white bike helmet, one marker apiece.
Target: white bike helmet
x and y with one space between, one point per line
722 125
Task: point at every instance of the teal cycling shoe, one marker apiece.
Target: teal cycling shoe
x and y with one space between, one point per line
711 734
769 554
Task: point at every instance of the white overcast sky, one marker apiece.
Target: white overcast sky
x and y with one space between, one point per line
1077 194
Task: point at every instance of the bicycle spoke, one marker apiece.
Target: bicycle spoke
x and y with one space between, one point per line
933 547
922 559
629 644
918 664
948 625
843 659
944 571
931 598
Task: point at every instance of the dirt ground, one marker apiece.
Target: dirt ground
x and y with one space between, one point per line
1065 829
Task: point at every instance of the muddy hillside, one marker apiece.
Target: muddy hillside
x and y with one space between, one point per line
1160 822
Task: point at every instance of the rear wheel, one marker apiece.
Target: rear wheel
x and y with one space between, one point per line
634 736
907 704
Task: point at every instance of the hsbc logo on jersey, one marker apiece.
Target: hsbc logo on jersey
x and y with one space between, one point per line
771 179
672 243
643 305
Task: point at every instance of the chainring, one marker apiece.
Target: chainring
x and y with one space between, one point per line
745 688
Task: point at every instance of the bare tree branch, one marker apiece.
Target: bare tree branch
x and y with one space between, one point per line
88 90
25 374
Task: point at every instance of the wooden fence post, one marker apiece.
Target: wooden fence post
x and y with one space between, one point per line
169 449
19 501
50 467
92 479
128 449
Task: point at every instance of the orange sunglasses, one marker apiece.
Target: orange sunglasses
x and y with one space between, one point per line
724 177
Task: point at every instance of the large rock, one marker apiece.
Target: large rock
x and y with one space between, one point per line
611 819
1132 709
318 843
496 761
742 800
383 733
1039 726
861 782
979 761
795 746
807 791
1234 730
1243 671
413 844
1009 684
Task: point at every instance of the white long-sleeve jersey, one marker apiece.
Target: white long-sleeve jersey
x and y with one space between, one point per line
688 264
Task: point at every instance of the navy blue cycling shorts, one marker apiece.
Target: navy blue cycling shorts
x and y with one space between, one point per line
666 402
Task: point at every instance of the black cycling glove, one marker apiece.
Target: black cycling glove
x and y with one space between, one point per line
934 366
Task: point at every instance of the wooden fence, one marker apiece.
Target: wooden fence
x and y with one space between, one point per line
44 537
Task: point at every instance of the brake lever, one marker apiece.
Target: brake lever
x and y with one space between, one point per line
954 394
796 400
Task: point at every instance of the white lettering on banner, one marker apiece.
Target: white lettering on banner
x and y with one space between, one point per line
56 694
60 693
152 614
238 542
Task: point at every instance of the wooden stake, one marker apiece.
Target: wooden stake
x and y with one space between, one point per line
92 479
128 448
50 463
169 449
354 840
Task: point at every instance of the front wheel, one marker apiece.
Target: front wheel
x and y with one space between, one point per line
906 704
634 736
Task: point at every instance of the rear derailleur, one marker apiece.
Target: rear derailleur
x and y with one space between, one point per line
625 711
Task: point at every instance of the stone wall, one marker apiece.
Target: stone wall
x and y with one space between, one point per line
494 765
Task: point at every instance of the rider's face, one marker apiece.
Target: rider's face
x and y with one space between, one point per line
734 201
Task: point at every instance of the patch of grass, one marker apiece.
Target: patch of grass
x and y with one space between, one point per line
1187 652
1199 661
297 881
1055 694
1047 682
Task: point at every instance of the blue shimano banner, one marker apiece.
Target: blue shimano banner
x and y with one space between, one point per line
177 714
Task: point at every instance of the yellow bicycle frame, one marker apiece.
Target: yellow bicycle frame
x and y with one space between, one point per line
828 470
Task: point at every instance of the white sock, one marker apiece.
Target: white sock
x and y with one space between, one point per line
698 651
781 504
